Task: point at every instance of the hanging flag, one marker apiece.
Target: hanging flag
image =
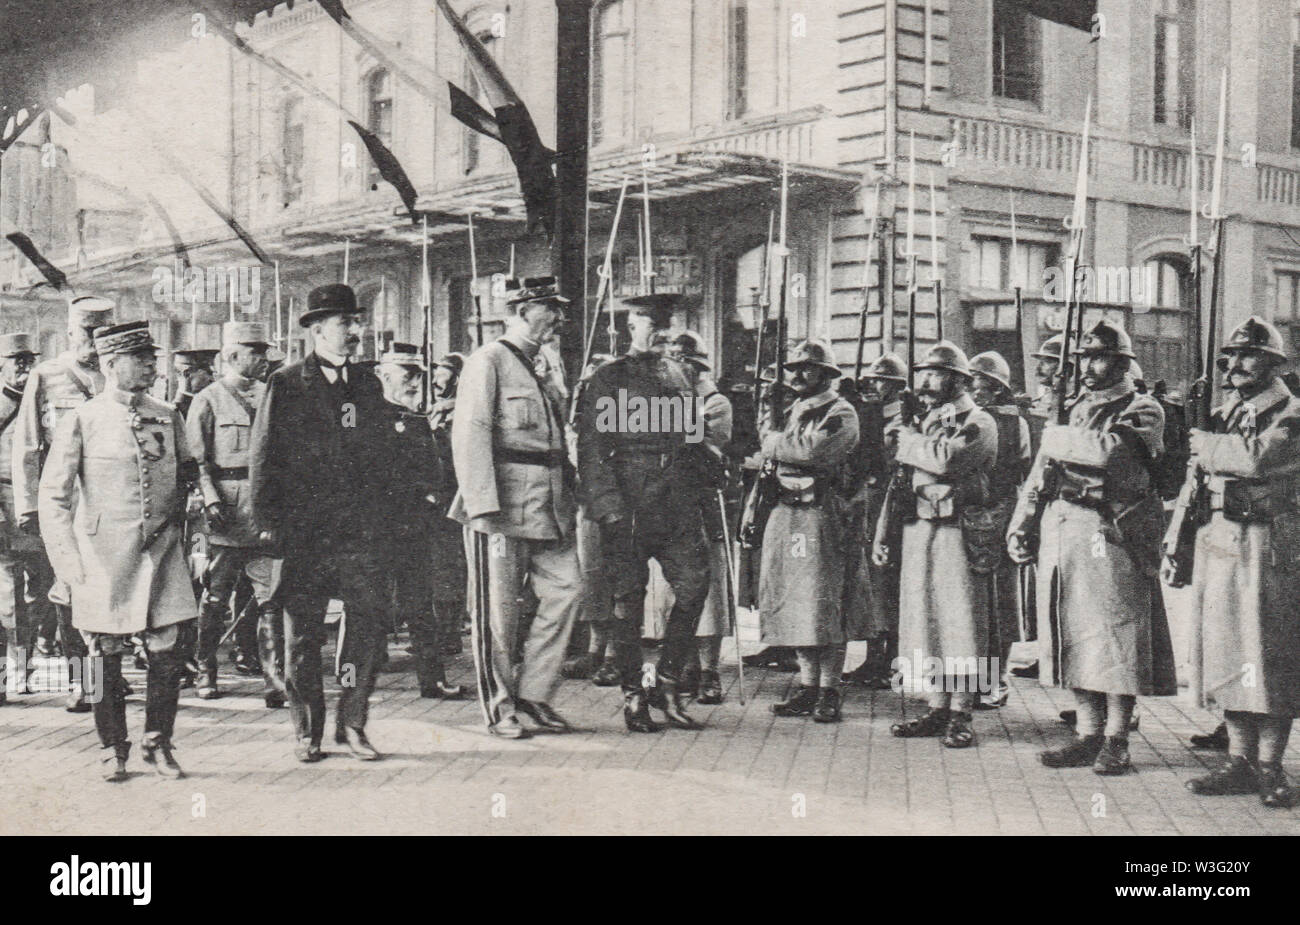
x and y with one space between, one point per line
1077 14
389 168
532 160
11 129
467 109
56 277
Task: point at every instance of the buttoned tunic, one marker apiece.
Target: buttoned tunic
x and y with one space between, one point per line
111 482
219 429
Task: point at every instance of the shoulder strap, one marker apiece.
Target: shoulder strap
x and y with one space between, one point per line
239 399
76 380
532 371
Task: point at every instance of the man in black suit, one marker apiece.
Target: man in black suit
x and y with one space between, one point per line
320 452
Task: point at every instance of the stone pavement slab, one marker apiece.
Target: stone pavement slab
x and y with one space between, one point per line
747 772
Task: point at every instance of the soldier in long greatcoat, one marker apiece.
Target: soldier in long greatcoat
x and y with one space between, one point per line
801 578
944 597
23 563
992 392
111 498
1090 502
56 387
1245 649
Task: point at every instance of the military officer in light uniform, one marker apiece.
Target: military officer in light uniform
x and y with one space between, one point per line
111 501
23 564
515 494
1245 566
54 388
218 429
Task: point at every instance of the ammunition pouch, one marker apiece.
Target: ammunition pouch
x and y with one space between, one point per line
1251 500
936 502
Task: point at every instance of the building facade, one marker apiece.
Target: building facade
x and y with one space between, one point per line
697 103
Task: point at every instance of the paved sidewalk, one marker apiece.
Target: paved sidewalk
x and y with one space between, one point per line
747 772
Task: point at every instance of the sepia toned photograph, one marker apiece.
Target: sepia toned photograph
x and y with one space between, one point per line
650 417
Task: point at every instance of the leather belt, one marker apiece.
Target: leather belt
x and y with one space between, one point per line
233 473
551 459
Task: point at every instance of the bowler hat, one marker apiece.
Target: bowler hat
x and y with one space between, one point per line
333 299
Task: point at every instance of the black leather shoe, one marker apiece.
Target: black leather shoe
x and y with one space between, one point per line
247 664
1275 791
778 658
168 766
441 690
274 700
543 714
578 668
76 702
307 751
672 701
1235 775
113 766
1216 741
959 733
359 745
803 703
1025 671
1113 759
636 712
509 728
607 675
828 706
710 688
1080 753
931 725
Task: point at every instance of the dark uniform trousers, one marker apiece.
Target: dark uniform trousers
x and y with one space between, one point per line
162 684
356 576
412 585
227 565
669 528
25 608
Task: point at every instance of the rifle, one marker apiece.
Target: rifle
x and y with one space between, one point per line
1192 511
866 288
426 312
762 498
473 283
764 302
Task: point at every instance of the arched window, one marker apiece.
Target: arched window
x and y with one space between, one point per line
291 144
379 113
611 72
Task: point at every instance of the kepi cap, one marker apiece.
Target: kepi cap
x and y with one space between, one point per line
131 337
90 311
404 355
13 345
251 333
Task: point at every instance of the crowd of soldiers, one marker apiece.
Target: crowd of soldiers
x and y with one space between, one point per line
931 513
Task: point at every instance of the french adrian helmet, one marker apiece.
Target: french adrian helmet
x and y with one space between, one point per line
689 347
1255 334
813 353
1106 339
990 364
946 355
1051 349
889 366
